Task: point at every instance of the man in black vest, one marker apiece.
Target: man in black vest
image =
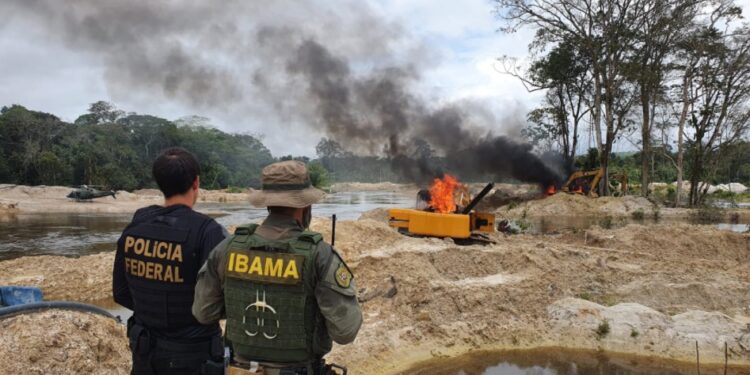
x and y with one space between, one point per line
157 260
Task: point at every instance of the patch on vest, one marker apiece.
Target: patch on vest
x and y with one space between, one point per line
265 267
153 260
343 276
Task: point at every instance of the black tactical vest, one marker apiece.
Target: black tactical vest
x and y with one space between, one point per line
161 259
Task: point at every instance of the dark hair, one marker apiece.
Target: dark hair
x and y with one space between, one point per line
175 170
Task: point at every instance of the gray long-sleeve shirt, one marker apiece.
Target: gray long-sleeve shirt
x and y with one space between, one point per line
337 304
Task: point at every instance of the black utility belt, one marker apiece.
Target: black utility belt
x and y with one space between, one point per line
174 346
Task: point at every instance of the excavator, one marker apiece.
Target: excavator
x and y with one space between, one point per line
587 183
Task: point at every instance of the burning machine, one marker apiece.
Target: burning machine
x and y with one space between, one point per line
441 220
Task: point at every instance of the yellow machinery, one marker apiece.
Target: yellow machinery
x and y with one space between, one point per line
587 182
455 225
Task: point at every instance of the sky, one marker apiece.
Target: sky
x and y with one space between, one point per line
39 71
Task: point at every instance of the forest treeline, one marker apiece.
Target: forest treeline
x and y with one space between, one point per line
113 149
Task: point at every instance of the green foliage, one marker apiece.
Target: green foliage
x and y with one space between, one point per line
318 175
634 333
602 330
585 295
109 148
638 214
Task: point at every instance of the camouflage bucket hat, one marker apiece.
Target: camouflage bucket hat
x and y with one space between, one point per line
286 184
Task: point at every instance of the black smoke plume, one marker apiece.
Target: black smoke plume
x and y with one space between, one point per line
336 68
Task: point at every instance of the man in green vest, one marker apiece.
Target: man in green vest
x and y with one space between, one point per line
286 294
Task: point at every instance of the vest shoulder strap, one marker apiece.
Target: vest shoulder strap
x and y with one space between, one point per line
311 237
245 229
242 233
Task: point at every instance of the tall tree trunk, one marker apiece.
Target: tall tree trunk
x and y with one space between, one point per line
680 140
597 110
645 138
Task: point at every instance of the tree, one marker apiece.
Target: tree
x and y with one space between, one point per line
603 31
718 95
664 23
100 112
563 73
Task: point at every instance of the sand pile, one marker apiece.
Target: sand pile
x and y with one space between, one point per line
563 204
84 279
63 342
354 238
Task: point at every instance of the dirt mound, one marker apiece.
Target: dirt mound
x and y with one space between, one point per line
354 238
378 214
630 324
84 279
681 241
563 204
63 342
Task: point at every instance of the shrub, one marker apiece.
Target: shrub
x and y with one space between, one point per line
638 214
603 329
706 215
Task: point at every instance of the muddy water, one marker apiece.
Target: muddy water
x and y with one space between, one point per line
74 234
555 361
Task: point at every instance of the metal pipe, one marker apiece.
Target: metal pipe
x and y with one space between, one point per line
7 312
478 198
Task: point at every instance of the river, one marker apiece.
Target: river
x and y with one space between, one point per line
73 234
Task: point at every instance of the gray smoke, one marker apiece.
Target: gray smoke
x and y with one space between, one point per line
336 67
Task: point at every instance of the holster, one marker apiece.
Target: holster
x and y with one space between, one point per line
139 338
217 364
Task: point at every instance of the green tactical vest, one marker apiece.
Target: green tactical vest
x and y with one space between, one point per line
272 313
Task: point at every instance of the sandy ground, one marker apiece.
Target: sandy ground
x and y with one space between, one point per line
31 199
71 343
659 288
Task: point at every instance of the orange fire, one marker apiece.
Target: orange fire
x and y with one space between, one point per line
551 190
441 194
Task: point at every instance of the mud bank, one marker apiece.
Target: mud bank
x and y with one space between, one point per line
429 298
63 342
51 199
375 186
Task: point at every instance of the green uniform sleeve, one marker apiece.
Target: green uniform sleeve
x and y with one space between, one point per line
336 293
208 301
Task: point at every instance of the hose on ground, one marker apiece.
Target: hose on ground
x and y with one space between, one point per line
7 312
